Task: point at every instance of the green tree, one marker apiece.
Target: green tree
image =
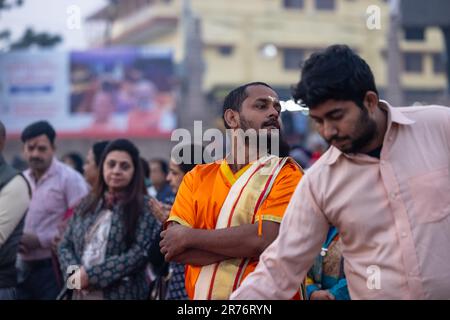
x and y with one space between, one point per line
29 38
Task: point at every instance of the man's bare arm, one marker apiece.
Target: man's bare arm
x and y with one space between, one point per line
198 257
237 242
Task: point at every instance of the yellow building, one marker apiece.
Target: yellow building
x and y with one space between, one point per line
265 40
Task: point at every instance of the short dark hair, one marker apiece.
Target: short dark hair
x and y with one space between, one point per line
336 73
162 163
38 128
235 97
97 150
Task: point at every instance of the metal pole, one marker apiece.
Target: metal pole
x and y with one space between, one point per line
394 91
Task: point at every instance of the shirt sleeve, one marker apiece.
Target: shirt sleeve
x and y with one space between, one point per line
278 199
283 265
76 188
183 208
14 201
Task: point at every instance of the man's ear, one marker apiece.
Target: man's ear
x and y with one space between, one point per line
371 101
231 118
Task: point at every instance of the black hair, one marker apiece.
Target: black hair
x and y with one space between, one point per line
195 149
163 164
77 160
235 97
336 73
134 198
97 150
145 168
38 128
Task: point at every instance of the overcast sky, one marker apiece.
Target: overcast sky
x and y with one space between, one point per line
50 16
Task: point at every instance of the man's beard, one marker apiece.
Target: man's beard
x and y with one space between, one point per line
275 142
366 130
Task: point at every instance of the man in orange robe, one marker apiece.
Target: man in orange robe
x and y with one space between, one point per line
226 213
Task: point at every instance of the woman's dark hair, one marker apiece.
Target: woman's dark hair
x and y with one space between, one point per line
235 97
76 159
336 73
162 164
97 150
133 201
145 168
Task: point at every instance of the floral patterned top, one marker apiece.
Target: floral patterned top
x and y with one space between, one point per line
122 274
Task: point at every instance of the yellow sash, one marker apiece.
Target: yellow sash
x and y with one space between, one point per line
217 281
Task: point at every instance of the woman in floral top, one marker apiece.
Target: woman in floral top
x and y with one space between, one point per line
109 235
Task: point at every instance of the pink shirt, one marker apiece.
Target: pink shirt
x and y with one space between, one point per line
58 189
393 216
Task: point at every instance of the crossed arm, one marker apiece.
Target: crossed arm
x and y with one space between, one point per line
202 247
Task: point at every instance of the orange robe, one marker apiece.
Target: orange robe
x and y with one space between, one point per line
203 191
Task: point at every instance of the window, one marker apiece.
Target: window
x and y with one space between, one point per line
325 4
292 58
439 64
225 50
293 4
413 62
415 34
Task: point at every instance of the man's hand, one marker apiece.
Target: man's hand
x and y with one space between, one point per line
174 241
28 242
160 210
321 295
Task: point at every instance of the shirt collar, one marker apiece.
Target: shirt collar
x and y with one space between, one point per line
393 116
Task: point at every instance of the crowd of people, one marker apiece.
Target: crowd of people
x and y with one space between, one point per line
370 219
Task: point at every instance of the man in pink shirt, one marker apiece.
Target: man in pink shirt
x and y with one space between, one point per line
384 183
56 187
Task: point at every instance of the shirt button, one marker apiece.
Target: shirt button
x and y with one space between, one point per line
382 162
404 235
390 138
393 195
